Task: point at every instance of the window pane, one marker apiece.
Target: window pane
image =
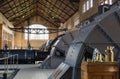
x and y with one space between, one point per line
43 33
87 3
91 3
84 8
110 1
106 2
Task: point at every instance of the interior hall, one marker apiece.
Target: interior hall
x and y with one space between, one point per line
59 39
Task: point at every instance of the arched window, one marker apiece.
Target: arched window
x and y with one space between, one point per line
43 33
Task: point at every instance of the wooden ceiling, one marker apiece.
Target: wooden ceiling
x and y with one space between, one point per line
52 11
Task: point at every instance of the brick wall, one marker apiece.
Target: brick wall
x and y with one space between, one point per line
91 11
82 16
21 42
19 39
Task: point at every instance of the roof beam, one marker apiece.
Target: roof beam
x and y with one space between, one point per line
21 15
14 7
52 10
2 1
57 10
30 3
74 9
11 9
6 2
47 19
30 15
57 7
46 15
23 9
75 1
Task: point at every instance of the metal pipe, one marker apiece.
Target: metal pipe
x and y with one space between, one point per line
13 62
17 61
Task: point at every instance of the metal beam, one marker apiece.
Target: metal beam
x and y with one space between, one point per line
117 15
58 8
23 9
75 5
71 35
46 15
27 14
68 6
36 30
6 2
29 4
108 36
21 15
30 15
48 21
75 1
36 5
2 1
14 7
11 9
60 13
52 10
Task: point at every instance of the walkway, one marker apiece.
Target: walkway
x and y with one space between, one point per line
33 72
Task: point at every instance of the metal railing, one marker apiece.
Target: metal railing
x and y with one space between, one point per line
10 62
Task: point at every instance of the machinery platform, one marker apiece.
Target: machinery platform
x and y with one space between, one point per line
33 72
30 71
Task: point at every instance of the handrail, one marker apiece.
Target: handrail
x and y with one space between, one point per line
12 61
8 57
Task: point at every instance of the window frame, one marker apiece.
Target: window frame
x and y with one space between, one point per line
106 2
41 36
87 5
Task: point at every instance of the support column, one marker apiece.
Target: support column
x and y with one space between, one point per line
0 36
